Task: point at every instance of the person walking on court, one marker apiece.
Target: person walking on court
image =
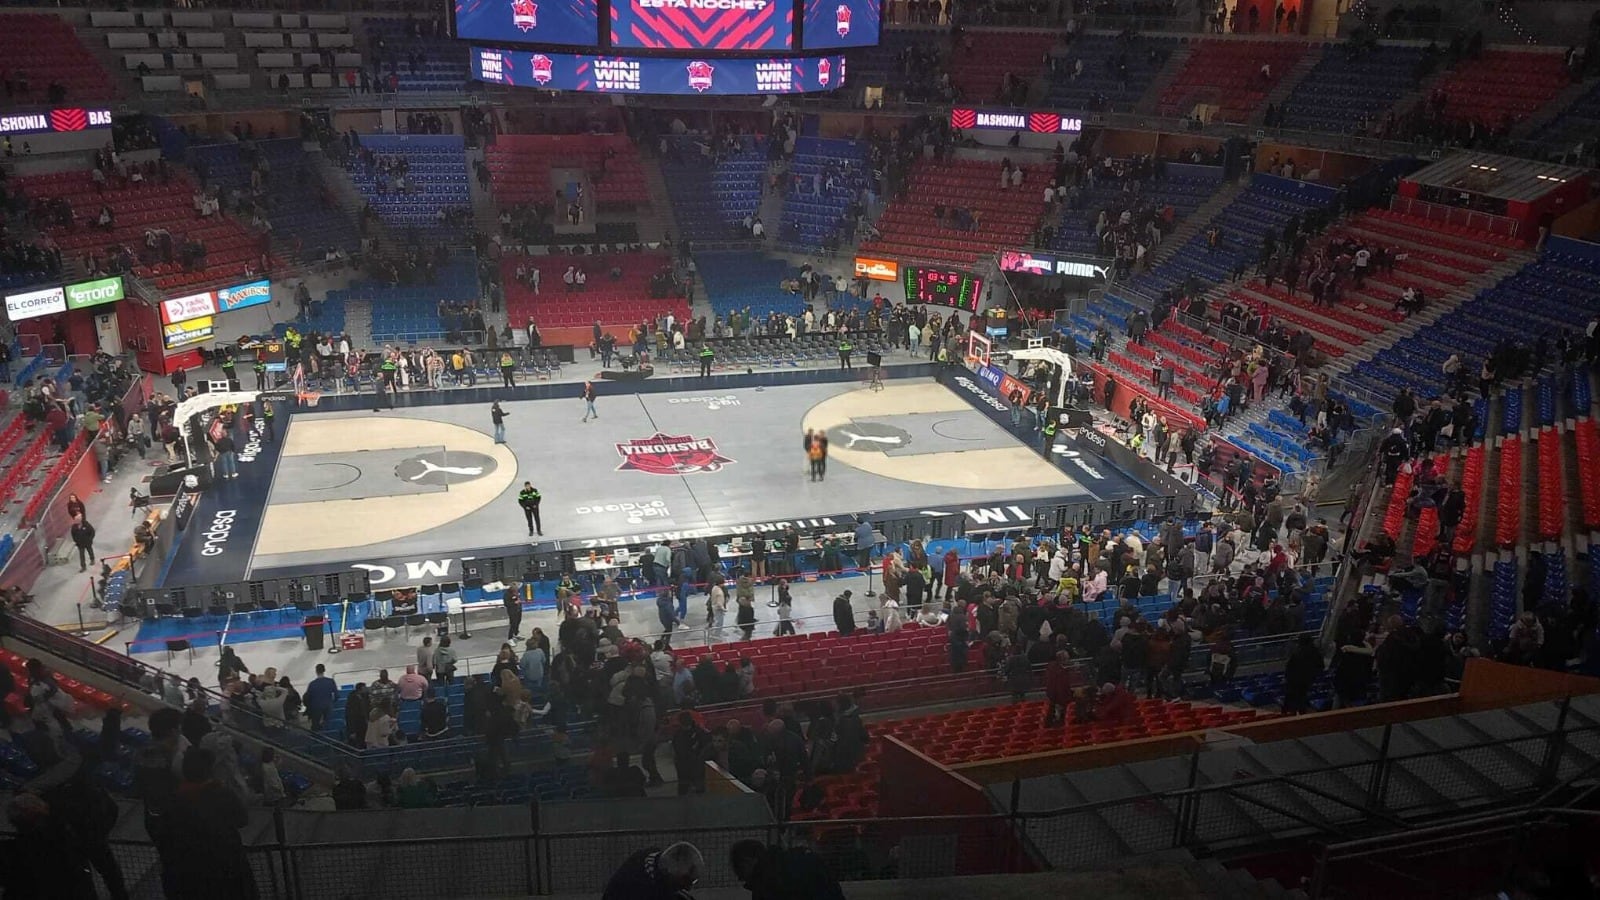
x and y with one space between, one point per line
817 453
588 402
380 397
513 604
844 351
83 539
528 498
227 460
706 356
499 417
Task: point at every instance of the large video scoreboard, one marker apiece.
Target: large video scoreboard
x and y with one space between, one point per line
695 26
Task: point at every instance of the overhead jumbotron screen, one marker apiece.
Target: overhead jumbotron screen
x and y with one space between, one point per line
721 25
568 22
837 24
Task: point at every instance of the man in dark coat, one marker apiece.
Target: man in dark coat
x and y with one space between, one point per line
778 873
205 821
44 858
656 874
844 616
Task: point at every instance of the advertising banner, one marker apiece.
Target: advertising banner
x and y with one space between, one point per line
183 507
56 120
651 75
877 269
94 293
32 304
242 295
1032 262
190 331
194 306
1035 121
1008 383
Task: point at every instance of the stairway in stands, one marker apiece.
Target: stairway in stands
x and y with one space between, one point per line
1532 484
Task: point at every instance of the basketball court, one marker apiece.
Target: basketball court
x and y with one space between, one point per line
432 481
353 486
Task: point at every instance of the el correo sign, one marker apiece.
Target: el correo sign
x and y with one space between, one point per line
32 304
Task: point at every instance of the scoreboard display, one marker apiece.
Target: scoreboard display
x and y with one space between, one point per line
945 287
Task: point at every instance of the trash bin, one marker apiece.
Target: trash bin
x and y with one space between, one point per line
314 628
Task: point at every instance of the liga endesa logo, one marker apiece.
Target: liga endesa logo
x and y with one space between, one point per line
667 454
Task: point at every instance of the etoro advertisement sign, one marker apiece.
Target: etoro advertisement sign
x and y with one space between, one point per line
94 293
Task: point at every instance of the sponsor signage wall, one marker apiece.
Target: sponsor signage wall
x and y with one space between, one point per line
192 319
1034 263
572 22
1036 121
64 119
654 75
52 300
836 24
703 24
877 269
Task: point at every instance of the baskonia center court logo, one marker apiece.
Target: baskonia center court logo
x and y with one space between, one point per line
666 454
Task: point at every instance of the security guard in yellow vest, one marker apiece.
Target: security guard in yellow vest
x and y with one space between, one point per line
1049 434
228 372
706 356
844 352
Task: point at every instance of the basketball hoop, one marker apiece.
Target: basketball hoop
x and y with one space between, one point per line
309 398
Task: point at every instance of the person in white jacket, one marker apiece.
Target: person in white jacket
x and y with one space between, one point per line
893 619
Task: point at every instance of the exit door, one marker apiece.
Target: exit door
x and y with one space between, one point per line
108 335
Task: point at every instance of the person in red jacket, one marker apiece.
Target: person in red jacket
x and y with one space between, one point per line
1116 706
952 573
1061 681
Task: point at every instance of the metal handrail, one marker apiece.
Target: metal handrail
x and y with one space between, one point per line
1185 803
